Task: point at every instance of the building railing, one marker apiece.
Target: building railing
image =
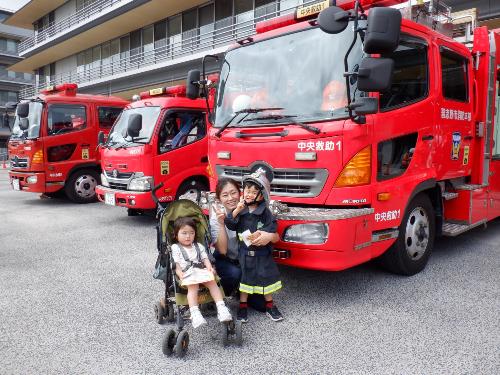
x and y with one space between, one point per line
224 33
54 28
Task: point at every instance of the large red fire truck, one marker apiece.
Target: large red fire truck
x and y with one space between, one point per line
54 140
379 133
160 138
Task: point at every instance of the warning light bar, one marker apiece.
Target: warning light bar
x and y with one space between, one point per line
172 91
68 89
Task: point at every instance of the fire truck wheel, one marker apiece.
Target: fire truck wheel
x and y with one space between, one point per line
80 187
192 188
411 251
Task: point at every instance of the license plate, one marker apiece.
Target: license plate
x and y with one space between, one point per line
15 184
109 198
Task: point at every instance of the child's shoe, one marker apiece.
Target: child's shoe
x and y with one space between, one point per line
274 313
242 315
223 313
197 319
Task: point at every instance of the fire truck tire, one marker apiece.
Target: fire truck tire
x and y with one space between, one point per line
193 187
413 247
80 187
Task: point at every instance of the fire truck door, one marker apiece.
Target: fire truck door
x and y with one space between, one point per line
182 149
494 175
67 138
455 114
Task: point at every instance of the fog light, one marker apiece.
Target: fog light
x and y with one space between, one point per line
32 180
314 233
132 202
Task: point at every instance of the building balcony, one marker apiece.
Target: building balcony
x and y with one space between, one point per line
190 46
99 22
15 78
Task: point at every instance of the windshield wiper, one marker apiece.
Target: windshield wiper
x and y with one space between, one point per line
132 141
312 129
246 111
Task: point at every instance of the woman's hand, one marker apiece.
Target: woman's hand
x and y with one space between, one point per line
220 214
261 238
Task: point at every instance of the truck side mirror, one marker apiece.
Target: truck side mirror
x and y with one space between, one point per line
382 33
333 20
100 138
192 85
364 106
375 74
23 109
23 123
134 125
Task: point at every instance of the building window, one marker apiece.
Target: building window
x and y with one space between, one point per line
160 34
206 19
174 33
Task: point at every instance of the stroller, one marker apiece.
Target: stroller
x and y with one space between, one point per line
169 308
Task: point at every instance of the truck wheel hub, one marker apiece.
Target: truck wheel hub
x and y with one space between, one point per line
417 233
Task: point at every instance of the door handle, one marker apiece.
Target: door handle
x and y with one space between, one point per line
428 137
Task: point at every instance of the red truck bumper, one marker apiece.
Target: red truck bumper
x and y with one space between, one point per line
122 198
350 241
33 182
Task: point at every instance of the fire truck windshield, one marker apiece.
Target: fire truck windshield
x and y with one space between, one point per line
300 72
118 135
33 122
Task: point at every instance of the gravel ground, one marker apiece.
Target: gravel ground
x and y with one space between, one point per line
77 296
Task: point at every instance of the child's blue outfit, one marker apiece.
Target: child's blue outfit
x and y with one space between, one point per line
260 275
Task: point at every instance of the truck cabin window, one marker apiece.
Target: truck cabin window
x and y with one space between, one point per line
66 118
107 116
179 129
454 76
410 80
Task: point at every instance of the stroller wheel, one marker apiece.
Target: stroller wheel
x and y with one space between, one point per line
167 346
182 343
226 329
238 331
159 312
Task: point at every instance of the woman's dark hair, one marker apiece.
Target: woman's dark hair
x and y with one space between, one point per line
221 184
182 221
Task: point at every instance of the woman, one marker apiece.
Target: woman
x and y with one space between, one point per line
227 266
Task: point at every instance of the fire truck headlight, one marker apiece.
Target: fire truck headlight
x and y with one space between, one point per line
32 180
141 183
313 233
104 180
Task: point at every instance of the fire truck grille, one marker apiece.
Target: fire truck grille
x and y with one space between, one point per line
125 175
302 183
16 162
118 186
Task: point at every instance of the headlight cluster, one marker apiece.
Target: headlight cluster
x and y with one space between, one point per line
314 233
140 182
32 180
104 180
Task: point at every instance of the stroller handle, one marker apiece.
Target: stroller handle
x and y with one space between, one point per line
153 192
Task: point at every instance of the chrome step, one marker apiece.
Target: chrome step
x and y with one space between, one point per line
448 195
469 187
454 229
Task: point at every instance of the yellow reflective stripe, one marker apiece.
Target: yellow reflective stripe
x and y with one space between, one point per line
260 289
272 288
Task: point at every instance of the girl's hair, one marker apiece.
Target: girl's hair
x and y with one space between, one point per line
250 183
221 184
183 221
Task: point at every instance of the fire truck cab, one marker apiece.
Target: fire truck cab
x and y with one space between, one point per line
54 140
159 138
411 153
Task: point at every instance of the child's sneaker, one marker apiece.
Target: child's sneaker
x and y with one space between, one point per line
274 314
223 314
242 315
197 319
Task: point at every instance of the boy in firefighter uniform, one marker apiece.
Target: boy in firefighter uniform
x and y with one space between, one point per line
260 275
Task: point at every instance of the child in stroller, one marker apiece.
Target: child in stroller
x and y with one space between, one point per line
177 340
193 268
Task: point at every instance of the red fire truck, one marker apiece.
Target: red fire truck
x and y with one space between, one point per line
54 140
160 138
379 133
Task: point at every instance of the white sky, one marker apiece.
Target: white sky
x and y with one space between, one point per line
12 4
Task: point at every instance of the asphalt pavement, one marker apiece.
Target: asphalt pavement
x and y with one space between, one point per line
77 296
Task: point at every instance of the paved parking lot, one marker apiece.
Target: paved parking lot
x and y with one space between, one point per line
77 295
